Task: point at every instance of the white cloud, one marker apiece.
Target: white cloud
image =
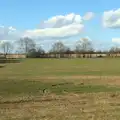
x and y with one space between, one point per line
12 28
88 16
62 20
8 33
88 38
111 19
56 27
116 40
60 26
65 31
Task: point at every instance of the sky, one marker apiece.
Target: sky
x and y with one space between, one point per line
48 21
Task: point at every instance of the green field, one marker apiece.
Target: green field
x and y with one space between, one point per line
38 89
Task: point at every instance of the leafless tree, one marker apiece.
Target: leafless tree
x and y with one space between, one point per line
6 47
84 45
114 50
25 44
58 48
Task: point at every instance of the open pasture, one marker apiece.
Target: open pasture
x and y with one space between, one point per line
63 89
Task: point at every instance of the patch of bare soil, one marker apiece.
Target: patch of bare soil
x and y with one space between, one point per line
90 106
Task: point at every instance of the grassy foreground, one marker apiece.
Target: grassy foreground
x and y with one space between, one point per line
63 89
62 67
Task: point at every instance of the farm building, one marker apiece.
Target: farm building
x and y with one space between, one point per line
74 55
64 55
13 56
16 56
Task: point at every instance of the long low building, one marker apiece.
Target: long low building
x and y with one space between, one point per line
13 56
16 56
73 55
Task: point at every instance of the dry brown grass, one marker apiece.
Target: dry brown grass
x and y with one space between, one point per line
91 106
92 80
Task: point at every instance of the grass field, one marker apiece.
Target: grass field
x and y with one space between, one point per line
60 89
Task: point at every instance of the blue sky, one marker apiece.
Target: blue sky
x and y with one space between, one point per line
24 15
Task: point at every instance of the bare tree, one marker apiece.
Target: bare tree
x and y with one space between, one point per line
84 45
68 51
6 47
36 52
25 44
114 50
58 48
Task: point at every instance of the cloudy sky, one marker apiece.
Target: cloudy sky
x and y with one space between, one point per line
48 21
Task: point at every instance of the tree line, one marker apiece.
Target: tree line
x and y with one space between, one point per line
29 47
